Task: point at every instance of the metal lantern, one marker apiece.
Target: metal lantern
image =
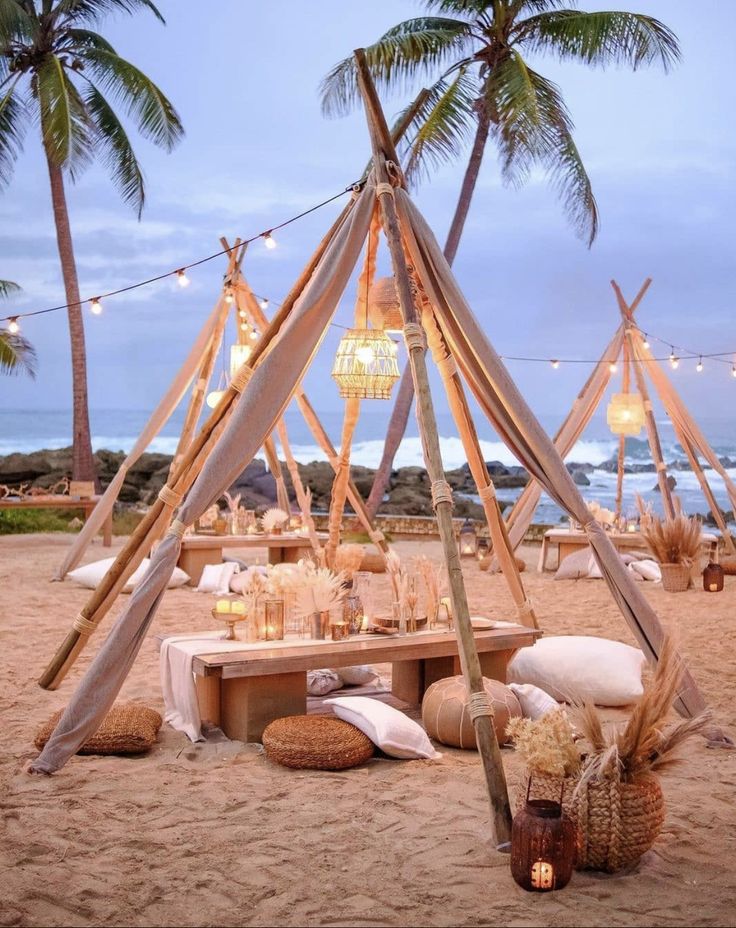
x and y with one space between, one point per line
713 578
365 365
625 414
239 354
384 309
468 539
542 846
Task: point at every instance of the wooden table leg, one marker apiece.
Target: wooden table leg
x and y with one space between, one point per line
294 555
410 680
208 697
494 664
276 555
193 561
407 681
248 704
542 557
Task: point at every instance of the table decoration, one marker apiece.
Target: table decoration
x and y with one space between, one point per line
230 612
542 846
273 521
319 591
273 620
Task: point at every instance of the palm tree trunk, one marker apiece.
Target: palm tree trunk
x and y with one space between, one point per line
405 396
83 464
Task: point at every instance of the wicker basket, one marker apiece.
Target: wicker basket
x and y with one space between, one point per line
729 565
316 742
616 822
126 729
675 577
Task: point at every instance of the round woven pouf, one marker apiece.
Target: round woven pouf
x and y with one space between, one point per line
314 742
446 715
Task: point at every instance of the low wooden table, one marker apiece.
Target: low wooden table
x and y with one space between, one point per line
567 542
242 691
199 550
62 502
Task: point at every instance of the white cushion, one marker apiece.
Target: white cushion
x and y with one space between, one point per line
357 676
216 578
575 566
647 570
390 730
534 701
90 575
321 682
605 672
238 582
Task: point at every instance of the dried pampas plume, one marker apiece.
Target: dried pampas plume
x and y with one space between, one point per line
273 518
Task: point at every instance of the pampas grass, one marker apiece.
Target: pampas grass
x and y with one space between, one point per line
348 559
273 518
673 541
431 574
546 744
395 573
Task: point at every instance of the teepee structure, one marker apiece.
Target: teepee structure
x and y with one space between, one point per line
434 312
629 349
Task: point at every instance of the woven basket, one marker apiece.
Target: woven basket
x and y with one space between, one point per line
729 565
616 822
314 742
127 729
675 577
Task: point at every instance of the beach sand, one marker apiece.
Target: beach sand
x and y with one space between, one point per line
214 834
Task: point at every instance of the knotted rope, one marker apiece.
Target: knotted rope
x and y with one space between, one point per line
177 528
487 492
414 336
479 705
441 493
83 625
169 496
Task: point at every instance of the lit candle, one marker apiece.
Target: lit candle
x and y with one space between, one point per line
237 607
542 875
339 631
631 527
223 605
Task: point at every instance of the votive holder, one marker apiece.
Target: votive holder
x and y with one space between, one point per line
340 631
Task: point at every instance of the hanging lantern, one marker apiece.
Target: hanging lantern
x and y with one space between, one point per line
239 354
214 397
625 414
365 365
468 539
542 846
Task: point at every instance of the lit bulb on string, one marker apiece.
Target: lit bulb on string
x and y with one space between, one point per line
254 334
263 302
13 326
244 327
555 363
181 278
733 370
613 367
645 344
229 298
243 314
95 306
268 240
699 365
674 361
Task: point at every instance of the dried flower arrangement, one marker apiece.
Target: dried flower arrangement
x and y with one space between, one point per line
318 589
395 573
673 541
432 576
233 501
255 589
348 559
547 745
274 518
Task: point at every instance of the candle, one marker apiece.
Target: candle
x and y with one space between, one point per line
542 875
237 607
223 605
339 631
631 527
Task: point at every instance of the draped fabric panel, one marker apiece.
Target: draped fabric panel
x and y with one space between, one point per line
254 418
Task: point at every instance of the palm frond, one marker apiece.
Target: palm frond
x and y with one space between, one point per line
533 128
113 146
13 115
65 123
7 287
601 39
16 22
443 124
75 39
410 50
17 355
92 11
153 112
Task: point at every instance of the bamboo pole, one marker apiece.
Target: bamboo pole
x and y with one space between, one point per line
383 151
133 552
625 385
301 493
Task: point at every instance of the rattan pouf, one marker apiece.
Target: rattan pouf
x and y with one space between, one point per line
126 729
315 742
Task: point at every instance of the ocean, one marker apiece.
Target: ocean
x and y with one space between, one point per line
117 430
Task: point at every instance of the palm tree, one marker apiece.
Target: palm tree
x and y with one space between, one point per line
58 73
476 52
16 353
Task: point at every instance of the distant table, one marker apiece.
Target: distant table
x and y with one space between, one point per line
199 550
62 502
242 691
567 542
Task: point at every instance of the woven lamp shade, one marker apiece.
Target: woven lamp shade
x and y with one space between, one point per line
625 414
384 310
365 365
239 354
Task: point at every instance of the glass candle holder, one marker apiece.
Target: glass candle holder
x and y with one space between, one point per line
318 625
340 631
352 613
273 620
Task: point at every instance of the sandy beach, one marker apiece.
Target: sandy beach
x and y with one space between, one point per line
215 834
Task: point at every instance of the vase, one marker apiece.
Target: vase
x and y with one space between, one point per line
319 623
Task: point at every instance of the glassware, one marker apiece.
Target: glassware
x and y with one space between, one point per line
352 613
340 631
273 620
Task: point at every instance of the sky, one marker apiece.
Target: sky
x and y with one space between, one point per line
660 150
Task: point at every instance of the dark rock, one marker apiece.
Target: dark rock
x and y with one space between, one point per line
574 466
497 469
671 483
580 478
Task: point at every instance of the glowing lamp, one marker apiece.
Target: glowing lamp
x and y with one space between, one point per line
239 354
542 846
365 365
214 397
625 414
468 539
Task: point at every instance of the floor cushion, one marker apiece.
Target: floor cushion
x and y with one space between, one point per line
393 732
90 575
314 742
446 715
126 729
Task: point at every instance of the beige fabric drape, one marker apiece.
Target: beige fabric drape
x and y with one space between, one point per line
158 419
254 418
512 419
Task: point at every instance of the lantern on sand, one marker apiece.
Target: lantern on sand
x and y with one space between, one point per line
468 539
365 365
625 414
542 846
713 577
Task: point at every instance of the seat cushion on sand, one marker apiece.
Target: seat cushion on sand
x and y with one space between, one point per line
358 675
127 729
647 569
534 702
576 566
216 578
313 742
446 714
90 575
322 682
607 673
393 732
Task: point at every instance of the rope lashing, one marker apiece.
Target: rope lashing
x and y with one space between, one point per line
201 384
487 493
441 493
661 466
170 497
384 188
242 376
526 608
177 528
414 336
479 705
83 625
376 536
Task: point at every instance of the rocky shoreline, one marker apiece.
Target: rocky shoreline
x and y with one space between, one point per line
408 492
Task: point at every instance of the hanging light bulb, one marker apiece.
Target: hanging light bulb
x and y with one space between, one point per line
243 314
645 344
244 326
263 302
229 298
699 365
254 334
181 277
214 398
13 326
674 361
95 306
268 240
612 367
733 370
555 363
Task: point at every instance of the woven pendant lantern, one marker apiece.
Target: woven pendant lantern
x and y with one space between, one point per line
365 365
384 310
625 414
239 354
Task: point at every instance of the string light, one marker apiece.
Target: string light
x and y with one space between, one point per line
699 365
674 361
645 344
613 367
243 314
733 370
254 334
95 306
268 240
263 302
243 326
181 277
555 363
229 298
13 326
